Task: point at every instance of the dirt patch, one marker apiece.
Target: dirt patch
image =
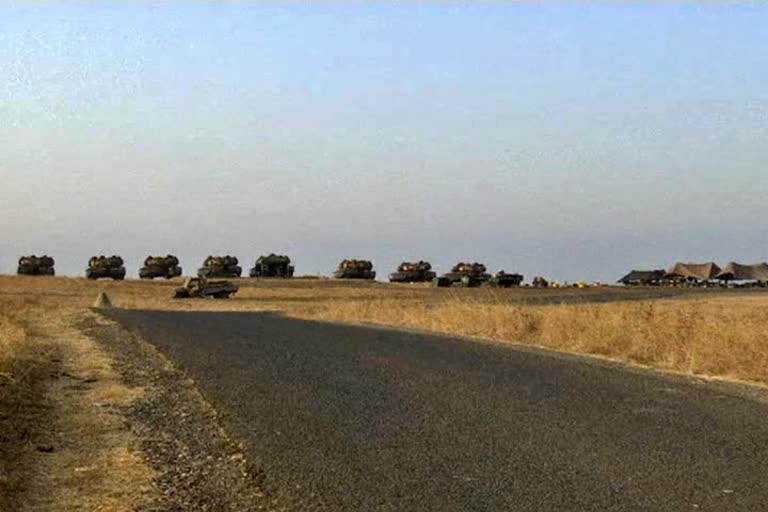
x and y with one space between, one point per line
197 466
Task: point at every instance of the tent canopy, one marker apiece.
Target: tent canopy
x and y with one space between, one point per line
738 272
702 271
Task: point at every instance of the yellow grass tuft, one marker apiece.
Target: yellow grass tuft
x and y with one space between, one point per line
15 329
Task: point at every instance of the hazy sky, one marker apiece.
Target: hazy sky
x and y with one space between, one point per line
573 141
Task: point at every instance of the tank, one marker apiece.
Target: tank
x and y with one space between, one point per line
201 287
503 279
110 267
36 266
272 265
160 266
355 269
468 275
220 266
413 272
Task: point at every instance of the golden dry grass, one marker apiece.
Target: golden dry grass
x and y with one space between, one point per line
703 332
16 349
722 336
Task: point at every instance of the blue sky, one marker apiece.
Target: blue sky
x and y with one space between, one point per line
570 140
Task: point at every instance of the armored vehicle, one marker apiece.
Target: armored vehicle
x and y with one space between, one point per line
503 279
413 272
160 266
540 282
201 287
36 266
464 274
643 278
355 269
220 266
105 267
272 265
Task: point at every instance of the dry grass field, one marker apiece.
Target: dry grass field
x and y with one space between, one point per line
715 332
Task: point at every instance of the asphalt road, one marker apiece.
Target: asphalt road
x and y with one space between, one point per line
356 418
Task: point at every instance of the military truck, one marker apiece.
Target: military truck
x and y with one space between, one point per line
503 279
272 265
160 266
201 287
110 267
220 266
355 269
36 266
413 272
468 275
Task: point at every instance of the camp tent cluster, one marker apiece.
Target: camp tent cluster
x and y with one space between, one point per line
699 272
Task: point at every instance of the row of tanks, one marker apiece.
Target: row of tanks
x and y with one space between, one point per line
462 274
268 265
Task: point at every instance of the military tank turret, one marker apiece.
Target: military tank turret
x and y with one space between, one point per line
503 279
105 267
412 272
160 266
220 266
272 265
36 266
464 274
355 269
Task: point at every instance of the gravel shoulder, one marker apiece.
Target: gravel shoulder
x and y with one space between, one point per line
197 466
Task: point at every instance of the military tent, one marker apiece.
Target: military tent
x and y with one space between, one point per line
738 272
643 277
699 271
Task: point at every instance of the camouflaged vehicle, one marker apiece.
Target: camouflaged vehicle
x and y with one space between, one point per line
110 267
468 275
272 265
220 266
201 287
160 266
413 272
355 269
503 279
36 266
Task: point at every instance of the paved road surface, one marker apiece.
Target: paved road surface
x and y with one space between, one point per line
355 418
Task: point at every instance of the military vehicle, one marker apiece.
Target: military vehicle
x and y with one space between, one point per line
160 266
540 282
413 272
503 279
355 269
201 287
105 267
36 266
468 275
272 265
220 266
